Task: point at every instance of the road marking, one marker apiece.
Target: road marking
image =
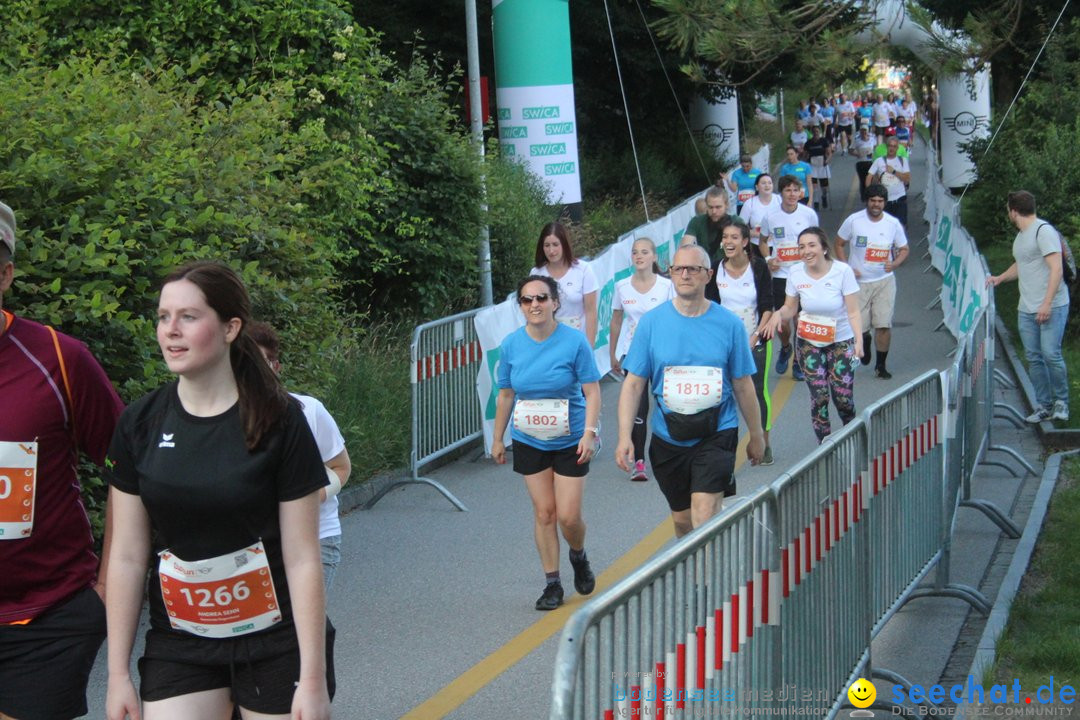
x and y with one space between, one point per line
473 680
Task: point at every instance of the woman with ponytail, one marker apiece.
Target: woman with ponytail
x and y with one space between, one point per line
218 476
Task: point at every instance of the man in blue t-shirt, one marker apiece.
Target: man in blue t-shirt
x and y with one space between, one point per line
697 356
801 170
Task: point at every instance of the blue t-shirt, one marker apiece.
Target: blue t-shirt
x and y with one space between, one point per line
800 170
665 337
866 111
554 368
745 180
828 112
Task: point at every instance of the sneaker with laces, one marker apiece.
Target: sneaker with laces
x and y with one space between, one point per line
584 580
883 373
552 597
766 457
783 359
1061 411
638 474
796 372
1039 415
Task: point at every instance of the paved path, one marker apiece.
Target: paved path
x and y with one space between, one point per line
434 607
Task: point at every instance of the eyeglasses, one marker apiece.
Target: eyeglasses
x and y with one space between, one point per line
687 269
528 299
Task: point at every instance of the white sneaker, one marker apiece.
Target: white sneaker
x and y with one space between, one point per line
1038 416
1061 411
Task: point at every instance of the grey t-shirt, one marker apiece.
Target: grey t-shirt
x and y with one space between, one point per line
1029 248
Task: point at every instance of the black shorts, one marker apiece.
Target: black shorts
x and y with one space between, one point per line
708 467
529 460
45 664
261 670
846 129
779 292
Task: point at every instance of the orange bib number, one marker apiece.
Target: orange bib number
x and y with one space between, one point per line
689 389
745 195
878 254
788 253
817 330
222 597
544 419
18 484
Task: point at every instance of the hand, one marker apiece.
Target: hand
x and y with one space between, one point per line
755 449
774 264
624 455
121 700
858 347
772 326
586 447
857 273
1043 314
993 280
616 366
498 452
99 588
311 701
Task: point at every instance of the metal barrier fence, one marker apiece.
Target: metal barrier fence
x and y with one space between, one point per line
445 359
789 588
692 631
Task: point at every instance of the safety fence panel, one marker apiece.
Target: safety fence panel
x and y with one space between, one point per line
446 358
978 401
823 612
690 634
904 510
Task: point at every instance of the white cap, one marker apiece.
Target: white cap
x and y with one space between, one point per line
7 227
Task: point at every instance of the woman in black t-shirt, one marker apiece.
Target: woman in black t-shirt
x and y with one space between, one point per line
218 475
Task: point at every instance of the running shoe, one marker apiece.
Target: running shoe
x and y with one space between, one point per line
1061 411
796 372
1039 415
584 580
552 597
766 458
782 359
638 475
883 373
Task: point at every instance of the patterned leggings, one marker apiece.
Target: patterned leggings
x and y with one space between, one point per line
829 370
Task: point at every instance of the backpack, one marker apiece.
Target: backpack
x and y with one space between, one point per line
1068 266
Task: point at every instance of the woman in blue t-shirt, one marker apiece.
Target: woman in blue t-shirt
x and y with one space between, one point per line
549 383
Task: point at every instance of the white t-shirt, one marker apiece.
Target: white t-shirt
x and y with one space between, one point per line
870 244
635 304
864 149
798 139
825 296
782 229
908 110
739 295
882 113
578 282
753 212
896 189
331 443
843 109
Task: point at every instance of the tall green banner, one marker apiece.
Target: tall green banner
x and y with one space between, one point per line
534 91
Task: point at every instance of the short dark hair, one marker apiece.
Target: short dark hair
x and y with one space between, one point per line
553 286
877 190
266 338
5 254
1022 202
787 181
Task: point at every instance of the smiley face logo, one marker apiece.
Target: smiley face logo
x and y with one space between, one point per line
862 693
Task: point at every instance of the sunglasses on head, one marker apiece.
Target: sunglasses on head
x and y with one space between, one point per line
528 299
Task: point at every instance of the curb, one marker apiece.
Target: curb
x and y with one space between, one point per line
1050 435
986 653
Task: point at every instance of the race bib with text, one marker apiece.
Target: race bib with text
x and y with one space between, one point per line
818 330
18 485
689 389
544 419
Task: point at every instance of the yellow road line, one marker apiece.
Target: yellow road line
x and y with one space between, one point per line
470 682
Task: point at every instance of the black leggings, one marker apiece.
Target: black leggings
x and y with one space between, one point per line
641 427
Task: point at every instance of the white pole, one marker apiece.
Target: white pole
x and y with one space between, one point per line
476 124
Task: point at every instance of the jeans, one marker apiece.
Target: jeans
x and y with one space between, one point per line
331 556
1042 348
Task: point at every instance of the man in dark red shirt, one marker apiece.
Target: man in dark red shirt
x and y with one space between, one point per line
55 403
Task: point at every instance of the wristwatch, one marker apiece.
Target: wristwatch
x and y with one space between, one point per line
595 431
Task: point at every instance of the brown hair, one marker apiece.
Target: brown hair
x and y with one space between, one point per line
558 230
1022 202
263 400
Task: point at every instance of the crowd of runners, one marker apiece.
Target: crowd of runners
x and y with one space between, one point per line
223 485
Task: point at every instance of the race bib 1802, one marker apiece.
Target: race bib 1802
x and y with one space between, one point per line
544 419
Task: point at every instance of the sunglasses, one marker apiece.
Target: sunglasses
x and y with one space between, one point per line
528 299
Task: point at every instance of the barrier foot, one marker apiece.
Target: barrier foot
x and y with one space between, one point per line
926 256
970 595
1014 455
1003 379
1011 414
939 326
934 303
996 515
416 481
898 679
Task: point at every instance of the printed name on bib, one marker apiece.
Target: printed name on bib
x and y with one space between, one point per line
18 485
221 597
544 419
818 330
689 389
